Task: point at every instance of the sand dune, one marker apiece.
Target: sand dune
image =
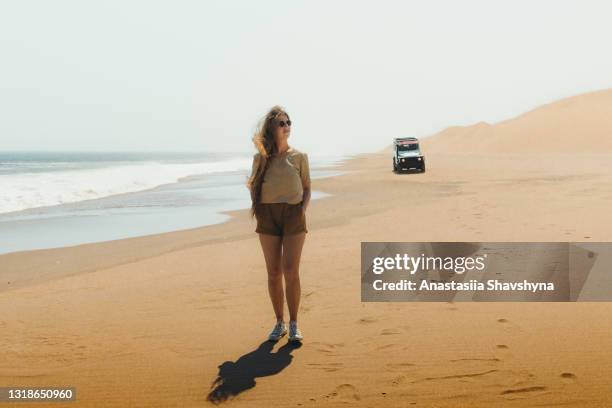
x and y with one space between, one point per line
578 124
179 319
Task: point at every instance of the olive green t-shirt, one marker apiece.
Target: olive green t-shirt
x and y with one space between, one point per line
286 177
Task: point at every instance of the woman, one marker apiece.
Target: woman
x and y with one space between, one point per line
280 193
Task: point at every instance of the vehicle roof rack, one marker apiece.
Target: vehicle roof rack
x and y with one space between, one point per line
405 139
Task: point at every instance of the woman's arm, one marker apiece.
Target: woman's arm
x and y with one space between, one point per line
306 198
305 176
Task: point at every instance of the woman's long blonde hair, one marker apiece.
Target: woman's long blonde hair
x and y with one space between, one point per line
265 143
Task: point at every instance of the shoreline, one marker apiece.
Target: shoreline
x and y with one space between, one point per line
192 202
64 261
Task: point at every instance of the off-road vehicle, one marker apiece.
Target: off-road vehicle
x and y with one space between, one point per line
407 155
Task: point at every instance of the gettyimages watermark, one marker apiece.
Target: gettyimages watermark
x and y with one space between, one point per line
486 271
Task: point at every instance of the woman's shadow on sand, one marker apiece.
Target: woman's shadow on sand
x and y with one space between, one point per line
236 377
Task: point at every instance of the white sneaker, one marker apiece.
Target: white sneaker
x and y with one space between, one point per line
279 330
294 333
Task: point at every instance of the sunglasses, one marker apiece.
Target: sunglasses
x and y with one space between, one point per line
282 123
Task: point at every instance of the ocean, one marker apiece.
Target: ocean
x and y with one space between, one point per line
56 199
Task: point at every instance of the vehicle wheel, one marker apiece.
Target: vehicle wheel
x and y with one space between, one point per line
394 167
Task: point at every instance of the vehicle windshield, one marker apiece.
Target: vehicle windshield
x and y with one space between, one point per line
407 147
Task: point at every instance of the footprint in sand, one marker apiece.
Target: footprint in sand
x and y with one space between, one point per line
387 332
568 378
329 367
508 325
388 346
345 392
514 393
486 360
367 320
502 351
399 380
326 347
463 376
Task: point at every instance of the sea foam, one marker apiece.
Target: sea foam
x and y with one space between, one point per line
20 191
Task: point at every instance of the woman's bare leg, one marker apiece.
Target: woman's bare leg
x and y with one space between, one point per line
272 247
292 251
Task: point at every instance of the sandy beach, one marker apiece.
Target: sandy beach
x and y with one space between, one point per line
153 321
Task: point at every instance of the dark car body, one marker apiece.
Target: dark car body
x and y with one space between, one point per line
407 155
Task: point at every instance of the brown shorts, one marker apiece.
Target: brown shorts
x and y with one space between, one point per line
280 219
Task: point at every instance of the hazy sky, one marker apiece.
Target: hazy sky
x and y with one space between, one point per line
197 75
